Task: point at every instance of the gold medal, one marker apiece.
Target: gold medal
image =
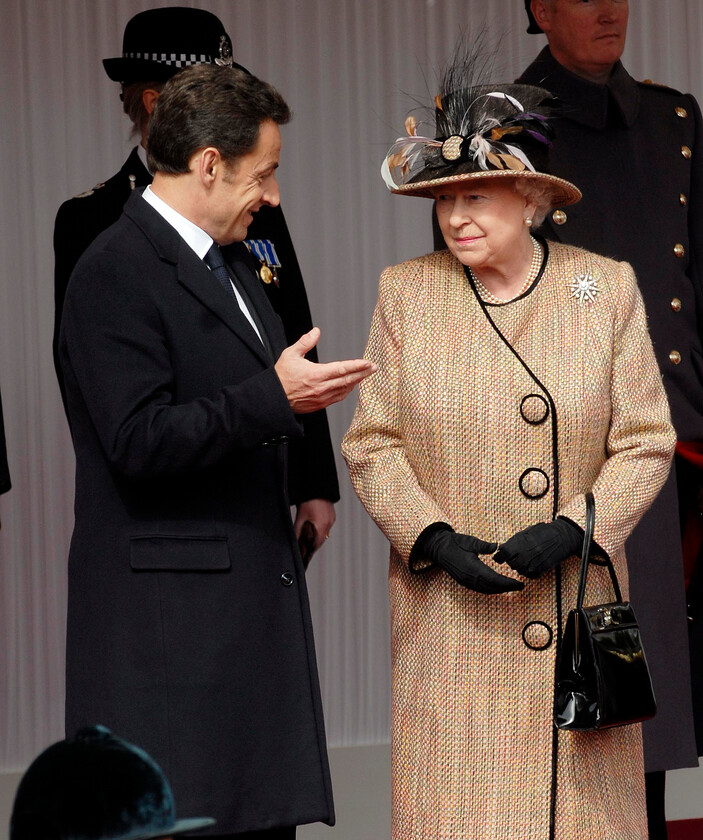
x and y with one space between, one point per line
265 274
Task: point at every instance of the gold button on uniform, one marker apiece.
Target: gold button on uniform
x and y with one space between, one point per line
676 304
675 357
681 112
686 152
679 250
559 217
682 199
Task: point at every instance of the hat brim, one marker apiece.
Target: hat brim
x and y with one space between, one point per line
179 827
144 70
561 192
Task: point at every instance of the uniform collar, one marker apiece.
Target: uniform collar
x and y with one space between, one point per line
133 166
586 102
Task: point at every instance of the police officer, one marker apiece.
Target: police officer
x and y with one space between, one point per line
634 149
157 43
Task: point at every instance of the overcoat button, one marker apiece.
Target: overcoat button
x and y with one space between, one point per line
537 635
534 409
559 217
675 357
534 483
686 152
287 579
679 250
681 112
683 201
676 304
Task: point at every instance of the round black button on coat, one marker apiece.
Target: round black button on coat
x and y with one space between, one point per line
534 409
287 579
534 483
537 635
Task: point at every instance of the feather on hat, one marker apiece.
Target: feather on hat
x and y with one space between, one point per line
481 131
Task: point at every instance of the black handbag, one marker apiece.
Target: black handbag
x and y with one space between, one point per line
602 678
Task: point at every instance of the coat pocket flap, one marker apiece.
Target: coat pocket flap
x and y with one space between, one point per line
179 553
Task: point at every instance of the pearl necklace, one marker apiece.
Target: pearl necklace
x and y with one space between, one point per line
535 265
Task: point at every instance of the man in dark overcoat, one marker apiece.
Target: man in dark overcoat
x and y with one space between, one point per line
156 44
189 628
635 149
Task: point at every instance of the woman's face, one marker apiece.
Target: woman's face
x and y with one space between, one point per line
482 221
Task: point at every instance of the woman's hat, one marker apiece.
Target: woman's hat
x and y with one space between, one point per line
480 131
96 787
157 43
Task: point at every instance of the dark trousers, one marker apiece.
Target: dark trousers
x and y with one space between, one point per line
654 786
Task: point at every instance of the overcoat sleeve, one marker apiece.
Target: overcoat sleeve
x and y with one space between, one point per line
640 442
373 446
114 345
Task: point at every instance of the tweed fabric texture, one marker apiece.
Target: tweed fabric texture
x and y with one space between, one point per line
453 428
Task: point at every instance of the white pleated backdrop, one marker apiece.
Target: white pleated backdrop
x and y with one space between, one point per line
346 67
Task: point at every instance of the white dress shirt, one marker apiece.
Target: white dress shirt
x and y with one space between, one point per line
195 237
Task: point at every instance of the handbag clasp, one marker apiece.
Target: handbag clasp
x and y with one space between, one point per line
607 617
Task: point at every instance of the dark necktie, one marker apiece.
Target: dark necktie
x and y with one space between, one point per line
215 261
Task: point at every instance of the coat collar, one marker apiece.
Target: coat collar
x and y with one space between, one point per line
193 274
134 166
586 102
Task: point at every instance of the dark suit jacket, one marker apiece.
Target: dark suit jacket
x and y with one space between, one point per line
312 470
636 152
189 628
5 483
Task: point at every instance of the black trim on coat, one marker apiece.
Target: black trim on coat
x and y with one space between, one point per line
555 504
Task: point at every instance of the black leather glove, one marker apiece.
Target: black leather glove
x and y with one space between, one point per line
458 554
541 547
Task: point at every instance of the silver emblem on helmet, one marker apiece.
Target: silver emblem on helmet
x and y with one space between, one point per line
225 59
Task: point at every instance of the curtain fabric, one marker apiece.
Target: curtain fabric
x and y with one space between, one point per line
349 70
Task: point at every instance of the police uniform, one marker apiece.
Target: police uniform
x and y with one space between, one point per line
633 149
312 470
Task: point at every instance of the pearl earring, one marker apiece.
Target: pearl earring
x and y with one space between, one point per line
528 221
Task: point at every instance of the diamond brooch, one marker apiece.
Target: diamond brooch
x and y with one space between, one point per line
584 288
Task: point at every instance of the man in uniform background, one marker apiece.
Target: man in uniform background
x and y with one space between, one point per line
156 44
635 150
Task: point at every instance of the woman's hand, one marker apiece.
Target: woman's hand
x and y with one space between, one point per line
458 554
541 547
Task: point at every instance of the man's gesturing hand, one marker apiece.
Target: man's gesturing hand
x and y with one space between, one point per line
310 386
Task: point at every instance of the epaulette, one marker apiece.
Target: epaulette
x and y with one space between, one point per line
90 192
658 86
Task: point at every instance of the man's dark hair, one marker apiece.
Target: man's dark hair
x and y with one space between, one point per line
207 105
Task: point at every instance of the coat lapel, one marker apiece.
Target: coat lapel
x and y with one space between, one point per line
194 275
245 267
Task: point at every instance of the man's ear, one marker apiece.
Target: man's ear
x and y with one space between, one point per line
208 164
149 97
541 12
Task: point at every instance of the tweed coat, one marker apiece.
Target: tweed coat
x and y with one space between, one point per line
189 629
492 418
312 473
635 150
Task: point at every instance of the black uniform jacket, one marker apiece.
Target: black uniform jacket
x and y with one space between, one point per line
312 470
189 628
5 483
636 152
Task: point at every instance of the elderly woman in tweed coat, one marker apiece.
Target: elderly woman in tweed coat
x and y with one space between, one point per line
514 376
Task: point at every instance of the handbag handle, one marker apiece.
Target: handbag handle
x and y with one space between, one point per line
586 554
